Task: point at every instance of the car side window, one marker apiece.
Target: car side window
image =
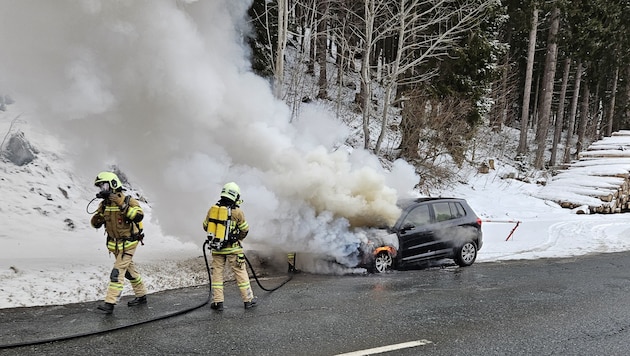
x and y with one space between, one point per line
459 209
443 211
448 210
418 216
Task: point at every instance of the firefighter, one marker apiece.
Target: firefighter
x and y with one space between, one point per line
229 250
122 217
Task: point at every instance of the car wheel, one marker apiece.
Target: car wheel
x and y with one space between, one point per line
383 262
466 254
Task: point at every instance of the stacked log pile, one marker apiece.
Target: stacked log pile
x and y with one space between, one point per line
600 178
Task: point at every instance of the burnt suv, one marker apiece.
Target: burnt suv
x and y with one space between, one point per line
429 229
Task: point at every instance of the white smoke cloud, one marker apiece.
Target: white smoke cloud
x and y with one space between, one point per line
163 89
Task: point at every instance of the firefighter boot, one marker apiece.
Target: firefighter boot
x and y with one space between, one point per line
106 308
293 270
217 306
251 303
137 301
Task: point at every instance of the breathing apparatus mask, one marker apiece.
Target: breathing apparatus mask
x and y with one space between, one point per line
104 191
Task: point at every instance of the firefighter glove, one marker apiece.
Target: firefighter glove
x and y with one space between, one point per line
240 259
102 194
98 220
242 234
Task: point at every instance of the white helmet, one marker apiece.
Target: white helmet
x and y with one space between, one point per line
231 191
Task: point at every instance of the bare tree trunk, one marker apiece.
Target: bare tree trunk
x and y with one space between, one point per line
282 43
626 113
388 94
342 67
390 85
584 114
573 112
366 73
560 117
522 142
310 65
322 39
498 124
547 88
533 123
414 114
595 117
611 107
340 62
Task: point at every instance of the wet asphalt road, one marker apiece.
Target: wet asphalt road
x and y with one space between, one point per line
578 306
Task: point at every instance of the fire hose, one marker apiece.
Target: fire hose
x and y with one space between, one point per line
251 268
161 317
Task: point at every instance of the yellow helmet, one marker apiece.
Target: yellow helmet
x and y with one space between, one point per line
110 178
231 191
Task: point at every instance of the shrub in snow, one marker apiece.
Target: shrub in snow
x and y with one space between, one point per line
18 150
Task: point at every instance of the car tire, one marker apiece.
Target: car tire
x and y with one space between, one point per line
466 254
383 262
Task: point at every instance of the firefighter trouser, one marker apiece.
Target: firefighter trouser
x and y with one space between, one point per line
240 274
291 259
124 268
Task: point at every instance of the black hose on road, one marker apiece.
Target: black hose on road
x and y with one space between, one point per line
258 282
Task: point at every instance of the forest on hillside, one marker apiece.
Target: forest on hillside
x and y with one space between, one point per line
436 71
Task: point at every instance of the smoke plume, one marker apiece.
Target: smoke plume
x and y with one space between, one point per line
163 89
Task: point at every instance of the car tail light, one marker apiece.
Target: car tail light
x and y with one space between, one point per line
479 221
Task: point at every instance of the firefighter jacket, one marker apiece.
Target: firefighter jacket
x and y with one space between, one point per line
122 217
238 229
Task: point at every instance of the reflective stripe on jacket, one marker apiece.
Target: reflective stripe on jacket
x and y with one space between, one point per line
120 229
123 244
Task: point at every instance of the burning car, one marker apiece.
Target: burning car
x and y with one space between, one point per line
427 229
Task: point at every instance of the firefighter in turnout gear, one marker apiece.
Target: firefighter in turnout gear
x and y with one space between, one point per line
226 227
122 217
